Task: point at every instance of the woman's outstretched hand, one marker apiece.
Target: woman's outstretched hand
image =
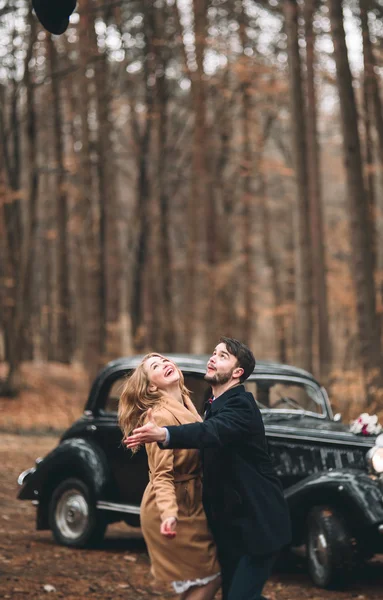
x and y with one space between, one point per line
168 527
150 432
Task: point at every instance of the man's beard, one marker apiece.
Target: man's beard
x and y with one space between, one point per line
219 378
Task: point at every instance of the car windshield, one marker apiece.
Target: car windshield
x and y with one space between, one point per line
290 395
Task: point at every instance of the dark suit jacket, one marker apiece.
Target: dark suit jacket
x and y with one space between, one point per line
242 497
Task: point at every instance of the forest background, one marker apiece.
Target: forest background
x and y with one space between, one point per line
175 170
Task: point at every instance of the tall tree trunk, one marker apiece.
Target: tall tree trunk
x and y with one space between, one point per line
304 262
142 208
315 195
64 325
200 201
48 253
3 258
247 177
143 225
224 192
369 90
24 332
91 268
108 212
268 249
20 242
361 254
13 229
166 311
371 75
200 291
271 262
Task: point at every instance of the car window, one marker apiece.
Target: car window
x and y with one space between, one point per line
251 386
111 403
200 391
285 394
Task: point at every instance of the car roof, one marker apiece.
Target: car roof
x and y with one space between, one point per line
187 362
199 361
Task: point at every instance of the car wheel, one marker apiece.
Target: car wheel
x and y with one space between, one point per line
73 517
329 547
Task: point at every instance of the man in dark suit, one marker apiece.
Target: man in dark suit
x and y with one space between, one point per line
242 497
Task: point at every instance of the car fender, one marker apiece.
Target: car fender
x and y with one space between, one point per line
354 492
74 457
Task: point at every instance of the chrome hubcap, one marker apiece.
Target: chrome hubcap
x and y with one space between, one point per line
320 548
72 514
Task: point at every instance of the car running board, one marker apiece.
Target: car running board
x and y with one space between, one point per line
114 506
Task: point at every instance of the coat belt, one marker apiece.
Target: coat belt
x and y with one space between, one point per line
182 478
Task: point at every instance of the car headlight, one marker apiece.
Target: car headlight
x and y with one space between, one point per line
375 459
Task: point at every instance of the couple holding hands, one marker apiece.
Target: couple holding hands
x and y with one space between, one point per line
213 514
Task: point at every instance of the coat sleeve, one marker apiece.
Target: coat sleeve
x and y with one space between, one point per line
161 467
238 419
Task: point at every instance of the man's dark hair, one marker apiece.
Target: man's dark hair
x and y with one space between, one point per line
242 353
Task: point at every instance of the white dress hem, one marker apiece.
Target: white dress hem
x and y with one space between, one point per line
182 586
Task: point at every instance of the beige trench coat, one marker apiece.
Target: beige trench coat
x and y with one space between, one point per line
175 490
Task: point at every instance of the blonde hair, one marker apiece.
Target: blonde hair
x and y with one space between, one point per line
136 398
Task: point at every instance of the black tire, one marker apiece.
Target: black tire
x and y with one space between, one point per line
330 551
73 517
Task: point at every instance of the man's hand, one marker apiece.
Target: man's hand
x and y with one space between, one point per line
168 527
146 434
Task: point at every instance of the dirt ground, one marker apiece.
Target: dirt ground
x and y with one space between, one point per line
33 566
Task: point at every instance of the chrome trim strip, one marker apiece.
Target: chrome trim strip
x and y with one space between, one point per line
288 411
299 438
125 508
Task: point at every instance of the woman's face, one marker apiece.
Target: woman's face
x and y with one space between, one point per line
162 372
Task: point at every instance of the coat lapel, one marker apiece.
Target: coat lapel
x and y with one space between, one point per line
182 413
220 401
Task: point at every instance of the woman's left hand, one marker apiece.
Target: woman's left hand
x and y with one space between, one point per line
168 527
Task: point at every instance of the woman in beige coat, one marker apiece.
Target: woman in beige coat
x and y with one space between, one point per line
180 545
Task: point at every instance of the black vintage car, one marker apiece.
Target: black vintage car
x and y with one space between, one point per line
332 478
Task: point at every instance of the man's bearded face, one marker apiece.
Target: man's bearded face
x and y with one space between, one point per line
219 378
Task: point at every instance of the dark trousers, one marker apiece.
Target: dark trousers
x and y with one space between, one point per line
244 579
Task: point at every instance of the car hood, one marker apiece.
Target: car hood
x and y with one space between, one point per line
312 428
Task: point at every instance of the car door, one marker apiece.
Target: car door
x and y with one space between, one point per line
130 471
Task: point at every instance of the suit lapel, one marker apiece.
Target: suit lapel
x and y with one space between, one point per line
220 401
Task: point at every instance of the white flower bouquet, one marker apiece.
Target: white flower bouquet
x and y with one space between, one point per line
366 424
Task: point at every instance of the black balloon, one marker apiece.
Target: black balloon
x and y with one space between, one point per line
54 14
